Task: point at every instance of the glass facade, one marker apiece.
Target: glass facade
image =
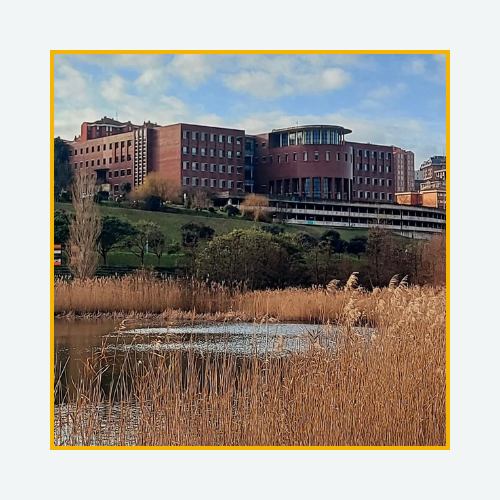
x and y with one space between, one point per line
317 187
311 136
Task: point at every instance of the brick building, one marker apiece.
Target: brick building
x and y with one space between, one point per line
312 161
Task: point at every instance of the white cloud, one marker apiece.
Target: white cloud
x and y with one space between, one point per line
386 92
284 76
70 84
114 89
415 67
192 68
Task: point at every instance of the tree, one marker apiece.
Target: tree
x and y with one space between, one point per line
273 229
61 227
157 244
152 203
62 168
138 242
114 232
200 199
306 241
85 228
157 185
256 205
357 245
332 238
125 189
197 229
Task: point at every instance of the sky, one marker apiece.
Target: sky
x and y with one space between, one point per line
384 99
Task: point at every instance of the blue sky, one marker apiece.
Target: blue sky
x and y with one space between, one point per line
384 99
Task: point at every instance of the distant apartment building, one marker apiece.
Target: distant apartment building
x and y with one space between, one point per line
432 185
309 162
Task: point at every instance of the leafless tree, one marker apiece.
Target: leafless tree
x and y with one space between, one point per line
85 228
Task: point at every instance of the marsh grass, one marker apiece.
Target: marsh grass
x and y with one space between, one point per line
387 389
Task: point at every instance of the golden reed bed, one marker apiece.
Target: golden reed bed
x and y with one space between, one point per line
385 389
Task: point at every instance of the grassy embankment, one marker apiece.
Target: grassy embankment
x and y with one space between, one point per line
388 389
171 224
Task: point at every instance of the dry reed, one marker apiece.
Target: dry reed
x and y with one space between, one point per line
386 390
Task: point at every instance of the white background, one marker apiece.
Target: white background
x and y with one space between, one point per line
30 469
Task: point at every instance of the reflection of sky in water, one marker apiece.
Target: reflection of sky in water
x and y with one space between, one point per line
238 338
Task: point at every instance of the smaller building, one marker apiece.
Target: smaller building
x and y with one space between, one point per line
435 198
433 173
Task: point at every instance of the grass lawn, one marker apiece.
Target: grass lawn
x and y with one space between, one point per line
171 223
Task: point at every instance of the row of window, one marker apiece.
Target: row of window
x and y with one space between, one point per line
115 173
388 168
222 183
375 196
316 136
213 152
295 157
374 154
231 169
375 182
186 134
94 163
92 148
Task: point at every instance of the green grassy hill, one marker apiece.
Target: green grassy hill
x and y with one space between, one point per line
171 226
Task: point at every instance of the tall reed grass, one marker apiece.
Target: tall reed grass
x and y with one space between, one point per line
185 299
387 389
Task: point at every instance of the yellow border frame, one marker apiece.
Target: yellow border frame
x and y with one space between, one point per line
447 446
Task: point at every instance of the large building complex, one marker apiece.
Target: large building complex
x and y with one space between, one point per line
314 161
312 172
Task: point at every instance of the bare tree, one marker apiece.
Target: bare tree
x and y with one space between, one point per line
85 228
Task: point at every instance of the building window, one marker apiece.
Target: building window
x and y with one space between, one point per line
203 152
122 158
221 153
204 167
222 183
110 175
116 188
238 154
185 165
194 135
389 183
213 167
222 169
110 161
86 163
388 156
316 136
104 147
307 137
367 180
86 150
204 182
104 161
381 182
367 153
374 168
76 166
263 159
360 152
238 140
366 167
184 150
92 163
203 136
230 184
360 194
185 181
304 156
367 194
230 169
81 151
81 164
284 139
360 180
212 137
76 152
213 183
212 153
358 166
316 156
325 137
291 140
382 196
294 156
195 181
194 151
375 196
286 158
98 162
122 173
389 196
388 169
221 138
346 158
229 154
375 182
327 156
129 171
185 135
122 144
116 173
338 156
229 139
194 165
